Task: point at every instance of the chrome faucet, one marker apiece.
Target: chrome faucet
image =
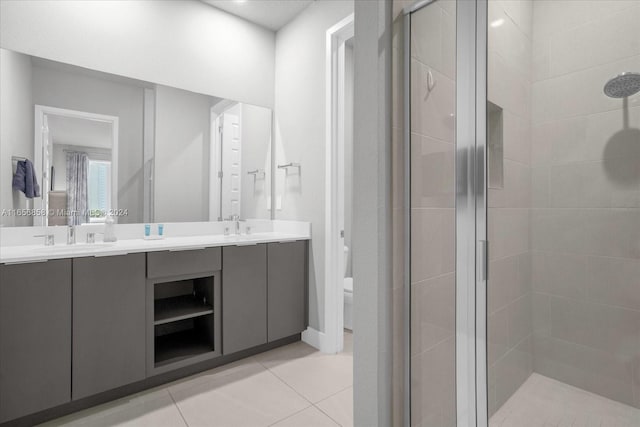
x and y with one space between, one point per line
236 218
71 235
49 239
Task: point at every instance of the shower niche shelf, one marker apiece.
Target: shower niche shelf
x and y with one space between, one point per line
184 321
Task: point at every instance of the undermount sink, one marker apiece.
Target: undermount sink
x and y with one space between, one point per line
79 247
239 237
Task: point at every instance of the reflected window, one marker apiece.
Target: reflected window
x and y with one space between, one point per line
99 189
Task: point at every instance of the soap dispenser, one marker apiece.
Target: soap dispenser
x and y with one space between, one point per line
110 229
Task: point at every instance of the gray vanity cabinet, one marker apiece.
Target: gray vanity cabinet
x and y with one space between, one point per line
286 289
244 297
35 337
109 340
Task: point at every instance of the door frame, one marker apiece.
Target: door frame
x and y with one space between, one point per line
336 37
41 132
471 211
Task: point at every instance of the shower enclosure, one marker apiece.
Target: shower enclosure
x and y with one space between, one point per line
522 144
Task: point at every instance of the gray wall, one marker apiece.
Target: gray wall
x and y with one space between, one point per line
256 154
16 129
181 179
178 43
64 87
300 131
372 212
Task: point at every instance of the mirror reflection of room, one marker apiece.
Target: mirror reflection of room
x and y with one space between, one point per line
79 152
104 144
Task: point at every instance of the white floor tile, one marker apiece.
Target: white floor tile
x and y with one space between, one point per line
317 378
313 374
249 397
310 417
155 409
542 402
339 407
273 388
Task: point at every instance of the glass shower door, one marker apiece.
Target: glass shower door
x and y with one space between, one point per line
432 67
445 109
445 141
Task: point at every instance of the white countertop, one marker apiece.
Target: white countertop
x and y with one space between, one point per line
23 244
35 253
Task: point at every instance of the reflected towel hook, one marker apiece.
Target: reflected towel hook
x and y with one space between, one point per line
430 84
290 165
257 173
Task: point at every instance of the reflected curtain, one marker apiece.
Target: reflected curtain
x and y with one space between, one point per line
77 188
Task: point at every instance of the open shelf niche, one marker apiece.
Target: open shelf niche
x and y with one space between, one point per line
185 320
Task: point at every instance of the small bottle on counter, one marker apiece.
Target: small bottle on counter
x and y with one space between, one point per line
110 229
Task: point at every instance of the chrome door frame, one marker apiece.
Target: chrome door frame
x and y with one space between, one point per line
471 211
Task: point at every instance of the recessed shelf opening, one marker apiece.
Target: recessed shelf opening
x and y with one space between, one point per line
183 319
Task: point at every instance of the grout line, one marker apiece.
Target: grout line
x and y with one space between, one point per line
585 299
327 415
285 383
289 416
582 70
333 394
328 397
178 408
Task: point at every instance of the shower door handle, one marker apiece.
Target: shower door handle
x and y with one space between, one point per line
483 260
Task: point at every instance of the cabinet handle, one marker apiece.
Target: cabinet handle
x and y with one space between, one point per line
110 254
187 249
29 261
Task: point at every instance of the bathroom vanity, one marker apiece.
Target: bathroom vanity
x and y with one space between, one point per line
86 324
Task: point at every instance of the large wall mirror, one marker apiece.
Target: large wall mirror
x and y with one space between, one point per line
99 143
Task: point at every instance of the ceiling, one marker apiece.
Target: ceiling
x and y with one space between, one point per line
82 132
271 14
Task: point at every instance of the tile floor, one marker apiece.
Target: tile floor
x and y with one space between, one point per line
292 386
544 402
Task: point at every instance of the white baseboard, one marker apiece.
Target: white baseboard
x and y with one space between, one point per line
317 339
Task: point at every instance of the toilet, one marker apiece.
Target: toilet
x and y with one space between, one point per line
348 294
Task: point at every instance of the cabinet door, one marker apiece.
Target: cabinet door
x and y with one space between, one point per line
108 323
286 287
244 297
35 337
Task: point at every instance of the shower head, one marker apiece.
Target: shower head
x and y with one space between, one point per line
623 85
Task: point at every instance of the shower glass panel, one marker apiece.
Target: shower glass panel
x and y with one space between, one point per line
563 307
432 93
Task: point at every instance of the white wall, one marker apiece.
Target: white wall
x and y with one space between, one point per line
256 154
185 44
57 86
372 230
300 130
16 128
348 155
182 155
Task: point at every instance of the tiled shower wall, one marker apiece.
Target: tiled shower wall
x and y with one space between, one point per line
564 292
510 351
586 197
